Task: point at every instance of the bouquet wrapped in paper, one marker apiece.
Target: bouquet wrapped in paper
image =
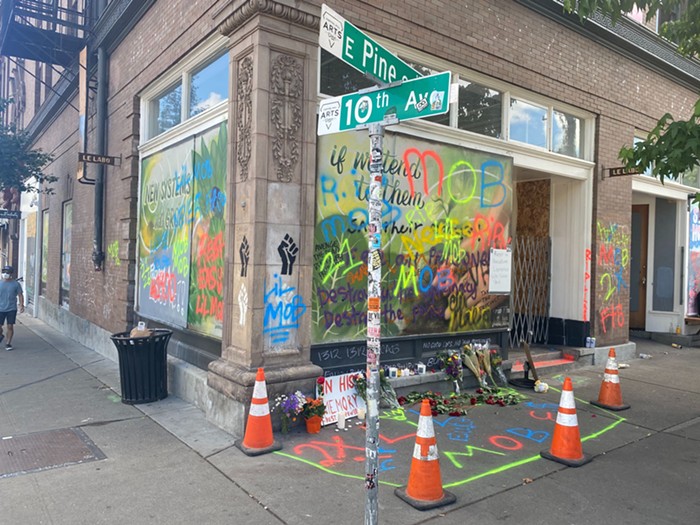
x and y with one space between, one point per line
471 360
496 365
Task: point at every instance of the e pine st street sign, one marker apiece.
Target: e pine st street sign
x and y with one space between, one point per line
352 46
411 99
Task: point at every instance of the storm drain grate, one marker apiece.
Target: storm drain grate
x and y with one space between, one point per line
45 450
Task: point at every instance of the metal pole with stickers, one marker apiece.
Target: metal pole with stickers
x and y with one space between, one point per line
402 93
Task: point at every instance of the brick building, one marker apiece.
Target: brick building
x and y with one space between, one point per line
230 221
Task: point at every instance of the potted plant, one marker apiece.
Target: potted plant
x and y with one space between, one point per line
312 411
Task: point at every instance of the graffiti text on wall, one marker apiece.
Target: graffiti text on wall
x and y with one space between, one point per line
613 262
444 208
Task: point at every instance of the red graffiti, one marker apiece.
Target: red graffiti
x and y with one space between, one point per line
209 305
489 233
510 443
614 314
211 250
211 278
163 287
586 280
424 165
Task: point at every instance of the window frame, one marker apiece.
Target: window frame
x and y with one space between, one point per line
181 73
507 91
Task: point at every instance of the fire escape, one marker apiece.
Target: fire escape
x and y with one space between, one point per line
49 31
46 31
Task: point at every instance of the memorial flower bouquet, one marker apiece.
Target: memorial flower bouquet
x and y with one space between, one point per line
496 365
471 359
451 364
313 407
290 406
387 394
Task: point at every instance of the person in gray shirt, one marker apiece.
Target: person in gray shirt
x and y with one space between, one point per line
10 292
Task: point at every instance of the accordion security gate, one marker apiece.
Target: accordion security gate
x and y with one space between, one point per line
531 287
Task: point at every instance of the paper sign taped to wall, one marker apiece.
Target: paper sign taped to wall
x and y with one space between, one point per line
499 271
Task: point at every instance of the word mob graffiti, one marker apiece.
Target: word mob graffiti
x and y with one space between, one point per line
444 208
181 233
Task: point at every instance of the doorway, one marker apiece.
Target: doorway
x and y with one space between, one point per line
638 266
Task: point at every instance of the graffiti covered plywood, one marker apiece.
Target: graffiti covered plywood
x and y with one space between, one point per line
206 304
164 234
444 208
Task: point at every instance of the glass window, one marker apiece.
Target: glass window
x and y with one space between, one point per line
692 177
338 78
443 119
44 251
479 109
647 172
168 109
528 123
65 253
209 85
567 134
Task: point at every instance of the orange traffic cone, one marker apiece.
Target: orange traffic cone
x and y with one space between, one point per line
566 441
424 489
610 395
258 437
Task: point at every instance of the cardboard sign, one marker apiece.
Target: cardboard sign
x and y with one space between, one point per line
499 271
339 394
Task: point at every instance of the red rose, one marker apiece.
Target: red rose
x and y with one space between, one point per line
479 391
402 400
455 413
501 402
321 380
434 413
473 401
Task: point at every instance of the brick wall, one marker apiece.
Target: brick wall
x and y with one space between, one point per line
501 39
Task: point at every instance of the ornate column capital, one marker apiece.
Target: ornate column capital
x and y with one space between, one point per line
232 17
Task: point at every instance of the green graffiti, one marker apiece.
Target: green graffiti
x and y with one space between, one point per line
113 253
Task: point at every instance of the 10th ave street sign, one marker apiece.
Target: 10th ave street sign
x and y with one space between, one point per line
411 99
352 46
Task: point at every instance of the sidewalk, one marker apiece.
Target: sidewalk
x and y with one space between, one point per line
91 459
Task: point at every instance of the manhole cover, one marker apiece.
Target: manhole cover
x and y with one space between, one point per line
45 450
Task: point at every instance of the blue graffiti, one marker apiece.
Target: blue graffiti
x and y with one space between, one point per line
203 170
283 309
216 200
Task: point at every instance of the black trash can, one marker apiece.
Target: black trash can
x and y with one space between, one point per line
143 366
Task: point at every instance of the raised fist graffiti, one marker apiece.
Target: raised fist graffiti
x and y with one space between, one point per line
288 251
244 250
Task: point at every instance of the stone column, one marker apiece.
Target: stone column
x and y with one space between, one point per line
271 181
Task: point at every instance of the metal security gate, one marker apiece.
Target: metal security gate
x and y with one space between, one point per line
531 281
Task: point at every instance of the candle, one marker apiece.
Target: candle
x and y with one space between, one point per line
341 420
360 413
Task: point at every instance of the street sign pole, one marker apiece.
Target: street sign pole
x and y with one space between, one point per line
374 319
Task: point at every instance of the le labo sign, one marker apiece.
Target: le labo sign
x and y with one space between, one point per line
98 159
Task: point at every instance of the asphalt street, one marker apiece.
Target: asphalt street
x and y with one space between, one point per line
72 453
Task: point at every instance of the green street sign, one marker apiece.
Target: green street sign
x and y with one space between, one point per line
352 46
411 99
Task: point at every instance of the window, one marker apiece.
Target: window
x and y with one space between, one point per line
338 78
44 251
479 109
484 107
66 235
168 109
567 137
196 85
528 123
209 86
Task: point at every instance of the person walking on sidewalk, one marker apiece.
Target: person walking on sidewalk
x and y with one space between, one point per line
10 292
